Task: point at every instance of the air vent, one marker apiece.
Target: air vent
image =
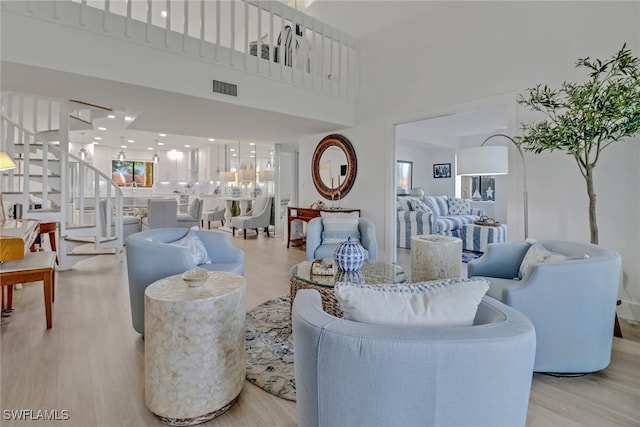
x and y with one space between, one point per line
225 88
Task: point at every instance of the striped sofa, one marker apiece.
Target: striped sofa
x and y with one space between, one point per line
434 220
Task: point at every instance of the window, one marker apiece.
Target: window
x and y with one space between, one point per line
128 173
404 176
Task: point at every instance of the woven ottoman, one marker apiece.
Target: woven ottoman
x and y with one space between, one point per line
477 237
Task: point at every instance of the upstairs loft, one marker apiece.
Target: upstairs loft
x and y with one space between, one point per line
201 48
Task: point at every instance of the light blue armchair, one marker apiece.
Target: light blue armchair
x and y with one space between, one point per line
355 374
316 249
150 258
571 303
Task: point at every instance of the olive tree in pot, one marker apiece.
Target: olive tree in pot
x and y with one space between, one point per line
584 119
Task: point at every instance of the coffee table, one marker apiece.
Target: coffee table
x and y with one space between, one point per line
371 273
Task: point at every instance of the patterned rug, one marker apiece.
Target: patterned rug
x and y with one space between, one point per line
269 346
468 256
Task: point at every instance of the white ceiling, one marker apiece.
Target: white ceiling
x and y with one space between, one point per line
466 128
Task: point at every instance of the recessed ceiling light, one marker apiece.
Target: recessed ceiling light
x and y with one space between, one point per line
234 155
253 151
111 116
160 143
232 149
97 138
252 143
102 128
162 134
95 143
163 13
128 118
149 148
212 139
187 145
123 146
131 141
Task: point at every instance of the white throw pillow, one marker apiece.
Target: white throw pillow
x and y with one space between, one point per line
339 226
450 302
537 254
196 248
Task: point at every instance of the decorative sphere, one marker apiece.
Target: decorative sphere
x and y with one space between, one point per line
417 192
349 255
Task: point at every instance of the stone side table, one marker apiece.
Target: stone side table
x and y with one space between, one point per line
194 347
435 257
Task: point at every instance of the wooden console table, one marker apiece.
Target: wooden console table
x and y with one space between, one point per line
306 215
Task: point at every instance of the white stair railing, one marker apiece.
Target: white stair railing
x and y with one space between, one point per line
50 183
267 38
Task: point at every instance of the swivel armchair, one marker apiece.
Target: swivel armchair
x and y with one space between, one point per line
571 303
151 257
356 374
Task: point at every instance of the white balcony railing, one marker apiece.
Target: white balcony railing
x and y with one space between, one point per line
294 48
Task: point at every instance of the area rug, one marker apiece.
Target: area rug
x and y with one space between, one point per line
269 346
468 256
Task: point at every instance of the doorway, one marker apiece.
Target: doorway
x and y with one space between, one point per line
430 143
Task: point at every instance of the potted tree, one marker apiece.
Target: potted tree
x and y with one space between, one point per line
582 119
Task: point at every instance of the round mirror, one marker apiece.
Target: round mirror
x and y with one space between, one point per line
334 167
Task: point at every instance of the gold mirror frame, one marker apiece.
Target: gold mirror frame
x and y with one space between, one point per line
343 189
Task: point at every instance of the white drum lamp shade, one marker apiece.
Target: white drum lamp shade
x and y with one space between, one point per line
484 160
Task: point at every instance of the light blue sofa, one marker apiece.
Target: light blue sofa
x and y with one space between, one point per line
571 303
355 374
316 249
150 258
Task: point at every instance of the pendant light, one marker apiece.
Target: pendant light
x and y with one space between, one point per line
121 155
156 157
83 152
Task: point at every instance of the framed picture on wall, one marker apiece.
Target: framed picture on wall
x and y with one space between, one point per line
442 170
404 176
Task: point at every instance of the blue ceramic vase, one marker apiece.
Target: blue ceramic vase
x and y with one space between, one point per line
349 255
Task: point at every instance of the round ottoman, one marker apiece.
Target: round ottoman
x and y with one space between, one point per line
194 364
435 257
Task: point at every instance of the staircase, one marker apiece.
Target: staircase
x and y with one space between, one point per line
52 185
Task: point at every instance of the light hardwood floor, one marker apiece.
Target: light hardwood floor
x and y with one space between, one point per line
91 362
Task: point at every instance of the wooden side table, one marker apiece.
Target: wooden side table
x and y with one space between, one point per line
34 267
194 341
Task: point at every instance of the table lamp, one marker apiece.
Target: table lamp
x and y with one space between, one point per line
6 163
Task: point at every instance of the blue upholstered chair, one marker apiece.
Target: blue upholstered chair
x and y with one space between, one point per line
151 258
355 374
317 249
571 303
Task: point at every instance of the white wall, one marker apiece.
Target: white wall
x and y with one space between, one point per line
423 160
465 51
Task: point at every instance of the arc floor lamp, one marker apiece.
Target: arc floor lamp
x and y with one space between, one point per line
492 160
